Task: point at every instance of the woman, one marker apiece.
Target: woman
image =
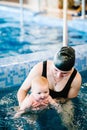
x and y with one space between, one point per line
64 80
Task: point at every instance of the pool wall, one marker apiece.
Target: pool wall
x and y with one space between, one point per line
13 70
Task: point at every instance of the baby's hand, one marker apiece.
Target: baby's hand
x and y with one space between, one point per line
45 102
19 113
55 105
35 104
58 107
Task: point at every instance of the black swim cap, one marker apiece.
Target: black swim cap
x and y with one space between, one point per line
65 58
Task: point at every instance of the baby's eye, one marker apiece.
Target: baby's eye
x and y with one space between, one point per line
46 92
39 93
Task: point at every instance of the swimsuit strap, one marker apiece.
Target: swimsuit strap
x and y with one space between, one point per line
44 69
68 84
71 78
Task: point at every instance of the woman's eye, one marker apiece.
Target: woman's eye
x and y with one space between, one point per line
56 70
64 74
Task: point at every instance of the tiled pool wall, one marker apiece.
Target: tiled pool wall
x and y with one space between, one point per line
13 70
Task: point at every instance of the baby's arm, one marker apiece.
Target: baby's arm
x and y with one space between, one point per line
55 104
25 106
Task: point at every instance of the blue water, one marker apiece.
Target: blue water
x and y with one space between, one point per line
27 35
72 117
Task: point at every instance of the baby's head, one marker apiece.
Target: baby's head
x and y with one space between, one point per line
39 87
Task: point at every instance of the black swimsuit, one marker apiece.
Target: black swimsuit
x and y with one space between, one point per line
66 89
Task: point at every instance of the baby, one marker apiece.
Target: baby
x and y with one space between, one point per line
39 95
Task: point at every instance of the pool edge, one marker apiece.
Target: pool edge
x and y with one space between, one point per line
17 68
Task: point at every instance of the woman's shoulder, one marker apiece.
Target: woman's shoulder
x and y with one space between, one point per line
78 76
40 64
49 62
77 80
38 68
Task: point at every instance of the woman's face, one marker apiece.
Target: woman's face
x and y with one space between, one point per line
60 74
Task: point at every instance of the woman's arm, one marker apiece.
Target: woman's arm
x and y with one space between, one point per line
25 106
27 102
21 94
23 90
75 86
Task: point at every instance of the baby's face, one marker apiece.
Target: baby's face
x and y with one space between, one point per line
40 92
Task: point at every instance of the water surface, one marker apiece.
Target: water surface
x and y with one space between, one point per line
72 117
26 35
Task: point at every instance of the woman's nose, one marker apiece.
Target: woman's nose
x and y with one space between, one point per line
59 74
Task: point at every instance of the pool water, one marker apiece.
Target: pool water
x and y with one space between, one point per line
23 36
33 40
72 117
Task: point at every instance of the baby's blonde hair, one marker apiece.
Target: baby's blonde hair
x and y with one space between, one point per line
39 80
